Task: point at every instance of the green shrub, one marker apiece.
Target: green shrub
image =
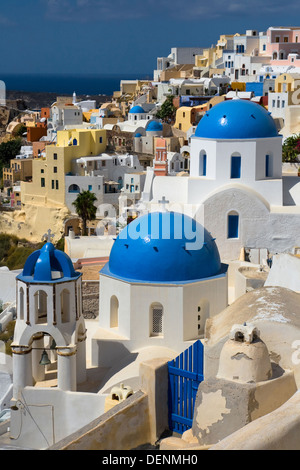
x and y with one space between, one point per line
14 251
7 337
291 149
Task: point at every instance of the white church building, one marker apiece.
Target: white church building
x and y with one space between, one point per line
236 184
163 280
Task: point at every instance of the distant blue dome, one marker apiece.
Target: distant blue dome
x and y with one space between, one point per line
154 248
138 134
136 110
154 126
236 119
48 265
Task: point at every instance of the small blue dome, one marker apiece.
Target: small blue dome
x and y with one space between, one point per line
138 134
48 265
236 119
136 110
154 126
155 248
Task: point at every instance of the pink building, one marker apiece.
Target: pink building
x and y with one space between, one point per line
283 46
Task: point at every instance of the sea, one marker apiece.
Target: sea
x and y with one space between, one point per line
67 83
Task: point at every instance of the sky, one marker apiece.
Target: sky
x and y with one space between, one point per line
94 37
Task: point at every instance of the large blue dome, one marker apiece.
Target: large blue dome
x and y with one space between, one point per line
236 119
48 265
137 110
160 247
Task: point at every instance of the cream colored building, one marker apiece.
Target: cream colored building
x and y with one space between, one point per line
48 174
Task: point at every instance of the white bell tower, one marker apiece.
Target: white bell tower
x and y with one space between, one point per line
50 326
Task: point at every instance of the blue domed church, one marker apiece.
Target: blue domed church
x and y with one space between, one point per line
163 280
236 182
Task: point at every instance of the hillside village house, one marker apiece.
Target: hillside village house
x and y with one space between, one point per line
48 186
105 176
20 167
283 46
285 94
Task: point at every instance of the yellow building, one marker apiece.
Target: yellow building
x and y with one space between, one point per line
211 55
48 174
19 170
238 86
186 116
208 58
287 82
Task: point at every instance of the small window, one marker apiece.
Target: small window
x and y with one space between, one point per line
57 184
55 156
235 167
55 169
114 312
203 163
268 166
233 225
156 325
42 182
53 184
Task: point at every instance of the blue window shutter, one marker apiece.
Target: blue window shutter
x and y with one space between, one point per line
235 167
233 226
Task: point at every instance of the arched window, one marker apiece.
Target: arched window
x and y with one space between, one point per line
114 312
202 163
65 306
233 225
21 303
40 302
236 160
74 141
156 319
275 56
74 188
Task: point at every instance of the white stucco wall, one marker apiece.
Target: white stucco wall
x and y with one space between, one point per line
180 304
45 416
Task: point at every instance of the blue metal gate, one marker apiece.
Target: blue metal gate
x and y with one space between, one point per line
185 375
